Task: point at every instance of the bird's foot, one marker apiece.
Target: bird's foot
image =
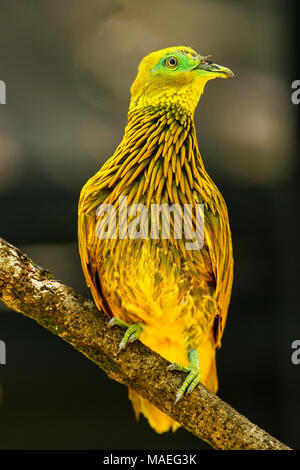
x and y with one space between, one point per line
132 332
193 371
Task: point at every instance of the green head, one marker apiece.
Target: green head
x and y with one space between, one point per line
174 76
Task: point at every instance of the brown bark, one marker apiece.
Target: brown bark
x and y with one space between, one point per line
32 291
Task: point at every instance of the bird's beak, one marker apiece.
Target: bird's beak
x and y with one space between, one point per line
208 68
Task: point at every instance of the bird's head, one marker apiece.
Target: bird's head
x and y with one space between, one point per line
174 77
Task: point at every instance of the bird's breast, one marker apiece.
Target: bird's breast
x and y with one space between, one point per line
143 284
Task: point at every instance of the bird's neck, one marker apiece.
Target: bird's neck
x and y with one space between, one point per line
163 130
145 95
158 158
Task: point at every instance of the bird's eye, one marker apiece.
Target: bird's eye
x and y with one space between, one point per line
171 62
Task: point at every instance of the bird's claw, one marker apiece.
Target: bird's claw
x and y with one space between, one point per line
132 332
115 321
193 378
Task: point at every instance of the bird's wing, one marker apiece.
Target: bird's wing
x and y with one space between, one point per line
218 239
88 241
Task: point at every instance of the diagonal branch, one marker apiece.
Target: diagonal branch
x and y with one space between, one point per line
32 291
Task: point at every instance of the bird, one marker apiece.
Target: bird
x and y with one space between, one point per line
152 284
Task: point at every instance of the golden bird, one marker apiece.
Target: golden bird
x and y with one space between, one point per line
171 297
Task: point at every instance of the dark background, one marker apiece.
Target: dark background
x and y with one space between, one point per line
68 67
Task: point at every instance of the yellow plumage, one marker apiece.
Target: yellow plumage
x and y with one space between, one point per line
179 296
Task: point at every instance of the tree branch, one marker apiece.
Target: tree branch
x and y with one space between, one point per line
32 291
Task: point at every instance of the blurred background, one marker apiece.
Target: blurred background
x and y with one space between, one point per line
68 67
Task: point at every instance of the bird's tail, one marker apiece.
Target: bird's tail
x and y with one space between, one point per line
158 420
